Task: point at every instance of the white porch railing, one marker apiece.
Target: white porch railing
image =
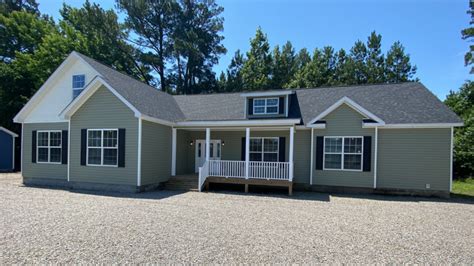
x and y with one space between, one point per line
257 170
203 174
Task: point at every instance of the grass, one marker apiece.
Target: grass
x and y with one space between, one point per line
464 187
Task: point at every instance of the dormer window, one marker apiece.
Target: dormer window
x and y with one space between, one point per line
263 106
78 83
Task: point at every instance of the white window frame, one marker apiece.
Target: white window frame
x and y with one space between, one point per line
262 152
74 89
266 106
49 146
342 153
101 147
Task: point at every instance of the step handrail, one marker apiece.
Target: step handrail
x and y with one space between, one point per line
203 174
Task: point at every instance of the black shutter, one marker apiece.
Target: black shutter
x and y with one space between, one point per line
121 147
242 154
281 152
33 146
367 153
281 105
64 145
250 106
83 146
319 152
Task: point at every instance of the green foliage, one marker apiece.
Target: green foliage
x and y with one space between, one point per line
399 68
464 187
257 69
184 34
468 34
462 103
234 81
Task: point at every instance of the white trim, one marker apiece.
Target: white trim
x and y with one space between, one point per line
20 117
451 161
419 125
13 153
292 133
69 151
157 120
21 148
208 144
375 155
139 154
247 152
267 93
101 146
49 146
89 90
259 122
312 158
11 133
266 106
342 153
173 151
45 122
350 103
317 126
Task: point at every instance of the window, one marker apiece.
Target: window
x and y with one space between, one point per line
343 153
102 147
48 146
265 106
264 149
78 83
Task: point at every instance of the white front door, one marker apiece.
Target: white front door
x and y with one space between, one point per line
200 155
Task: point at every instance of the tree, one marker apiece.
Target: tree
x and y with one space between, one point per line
398 66
359 63
283 66
462 103
468 34
101 31
256 72
153 23
8 6
375 59
197 43
234 73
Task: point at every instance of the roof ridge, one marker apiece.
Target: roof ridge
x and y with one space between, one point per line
119 72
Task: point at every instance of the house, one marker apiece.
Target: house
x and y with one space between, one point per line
7 150
92 127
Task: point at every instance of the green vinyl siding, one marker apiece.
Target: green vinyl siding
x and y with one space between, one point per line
302 156
156 153
104 111
344 121
412 158
41 170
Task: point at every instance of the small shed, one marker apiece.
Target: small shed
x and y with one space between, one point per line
7 150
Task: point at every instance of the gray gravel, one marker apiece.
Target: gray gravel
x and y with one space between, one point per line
40 225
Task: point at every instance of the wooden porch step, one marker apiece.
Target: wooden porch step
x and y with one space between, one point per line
183 182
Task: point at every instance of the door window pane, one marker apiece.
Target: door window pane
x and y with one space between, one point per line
211 150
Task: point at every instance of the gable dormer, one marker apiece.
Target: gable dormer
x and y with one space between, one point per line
267 104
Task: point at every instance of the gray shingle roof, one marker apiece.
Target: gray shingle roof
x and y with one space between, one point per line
147 99
400 103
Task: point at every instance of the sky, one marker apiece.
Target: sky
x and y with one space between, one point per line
430 30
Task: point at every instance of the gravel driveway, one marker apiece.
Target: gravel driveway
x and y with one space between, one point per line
40 225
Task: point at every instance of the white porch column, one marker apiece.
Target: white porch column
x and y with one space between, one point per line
247 152
292 132
375 155
312 158
208 143
173 152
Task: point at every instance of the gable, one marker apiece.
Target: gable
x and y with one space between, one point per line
344 115
56 92
100 102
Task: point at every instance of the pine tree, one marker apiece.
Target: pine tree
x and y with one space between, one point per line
398 67
234 80
256 72
375 59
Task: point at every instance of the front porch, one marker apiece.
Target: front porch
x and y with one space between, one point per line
249 156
